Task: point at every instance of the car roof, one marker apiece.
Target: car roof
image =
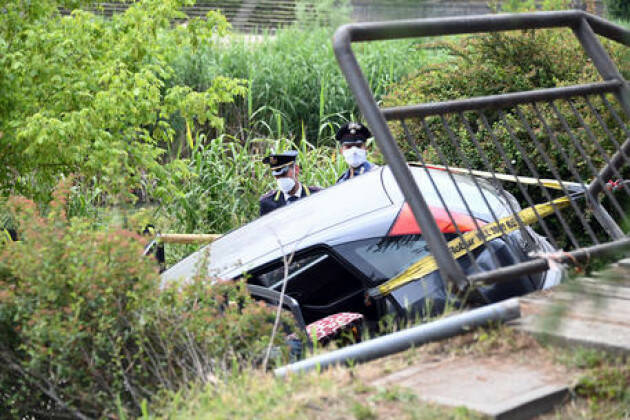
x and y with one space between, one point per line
360 208
308 221
437 188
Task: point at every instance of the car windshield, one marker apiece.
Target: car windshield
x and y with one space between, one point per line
382 258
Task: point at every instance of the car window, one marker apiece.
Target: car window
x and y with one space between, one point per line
315 279
322 283
273 277
382 258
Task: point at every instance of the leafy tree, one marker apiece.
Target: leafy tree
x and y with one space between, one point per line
87 95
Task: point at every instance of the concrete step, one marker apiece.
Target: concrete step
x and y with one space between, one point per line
496 386
587 312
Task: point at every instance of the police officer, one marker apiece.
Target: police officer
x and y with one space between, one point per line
352 137
285 170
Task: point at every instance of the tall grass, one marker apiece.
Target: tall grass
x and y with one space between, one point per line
295 86
228 179
296 93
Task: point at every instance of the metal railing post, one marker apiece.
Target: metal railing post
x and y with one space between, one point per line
585 28
602 61
449 269
607 69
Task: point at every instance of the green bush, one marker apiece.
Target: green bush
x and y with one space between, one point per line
619 9
86 332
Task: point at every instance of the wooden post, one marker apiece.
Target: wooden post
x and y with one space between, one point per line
184 238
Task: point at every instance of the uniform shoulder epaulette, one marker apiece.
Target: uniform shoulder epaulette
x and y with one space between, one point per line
268 194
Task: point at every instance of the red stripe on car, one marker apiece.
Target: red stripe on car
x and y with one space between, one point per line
406 224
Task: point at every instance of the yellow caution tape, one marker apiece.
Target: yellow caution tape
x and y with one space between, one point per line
472 240
545 182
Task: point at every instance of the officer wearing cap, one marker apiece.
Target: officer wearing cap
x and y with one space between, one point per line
352 137
285 170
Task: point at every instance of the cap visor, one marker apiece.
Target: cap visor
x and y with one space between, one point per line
356 142
280 171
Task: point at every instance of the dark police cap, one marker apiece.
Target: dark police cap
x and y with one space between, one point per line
352 132
280 162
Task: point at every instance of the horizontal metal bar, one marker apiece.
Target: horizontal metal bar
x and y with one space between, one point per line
499 101
402 340
608 29
374 31
537 265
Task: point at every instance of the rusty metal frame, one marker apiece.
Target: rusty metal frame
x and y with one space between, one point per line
585 27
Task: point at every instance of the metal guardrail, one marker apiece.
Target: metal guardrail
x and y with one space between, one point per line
558 112
402 340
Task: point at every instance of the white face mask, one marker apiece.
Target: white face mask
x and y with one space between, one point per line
354 156
285 184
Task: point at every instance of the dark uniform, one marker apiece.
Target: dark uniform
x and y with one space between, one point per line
154 246
359 170
274 199
353 132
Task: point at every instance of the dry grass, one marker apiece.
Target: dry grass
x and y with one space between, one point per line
351 393
335 394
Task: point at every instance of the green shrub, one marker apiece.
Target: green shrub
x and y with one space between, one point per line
619 9
86 332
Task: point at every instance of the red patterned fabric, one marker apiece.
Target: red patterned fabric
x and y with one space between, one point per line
326 328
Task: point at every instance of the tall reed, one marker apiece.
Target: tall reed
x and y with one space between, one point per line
295 86
229 177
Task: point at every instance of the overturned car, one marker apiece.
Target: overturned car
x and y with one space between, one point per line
340 244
